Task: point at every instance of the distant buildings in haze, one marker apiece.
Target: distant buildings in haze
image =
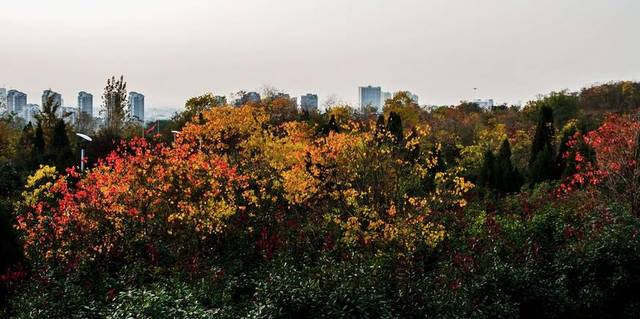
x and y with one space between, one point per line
85 103
29 113
248 97
309 102
49 96
16 100
484 103
370 96
136 106
373 96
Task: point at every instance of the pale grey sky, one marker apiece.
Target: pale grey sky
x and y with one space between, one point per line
439 49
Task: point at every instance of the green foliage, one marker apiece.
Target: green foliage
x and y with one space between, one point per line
61 153
194 107
498 173
170 300
564 105
542 164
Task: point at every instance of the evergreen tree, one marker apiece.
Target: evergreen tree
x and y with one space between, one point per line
487 177
542 165
394 126
26 149
561 160
38 140
61 153
332 126
507 178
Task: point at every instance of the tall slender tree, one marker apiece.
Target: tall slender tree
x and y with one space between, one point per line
507 178
114 106
61 152
542 164
394 126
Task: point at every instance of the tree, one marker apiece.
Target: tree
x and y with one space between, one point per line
402 105
114 106
195 106
542 163
61 153
508 178
487 177
38 140
565 106
394 126
332 126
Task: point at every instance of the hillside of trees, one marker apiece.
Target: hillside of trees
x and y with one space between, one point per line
260 210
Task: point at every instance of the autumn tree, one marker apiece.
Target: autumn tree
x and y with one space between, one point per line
403 105
195 106
563 104
114 107
394 126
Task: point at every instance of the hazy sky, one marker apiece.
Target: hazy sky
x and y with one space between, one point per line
439 49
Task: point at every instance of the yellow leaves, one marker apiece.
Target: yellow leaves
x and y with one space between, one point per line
298 185
38 184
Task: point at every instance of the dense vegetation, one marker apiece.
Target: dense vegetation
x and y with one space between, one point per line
263 211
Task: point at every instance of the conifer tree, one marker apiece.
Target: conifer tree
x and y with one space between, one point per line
61 153
542 165
332 126
394 126
487 177
38 140
561 161
507 176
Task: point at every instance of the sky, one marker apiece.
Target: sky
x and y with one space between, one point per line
510 50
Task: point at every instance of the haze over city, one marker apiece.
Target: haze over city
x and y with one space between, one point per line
440 50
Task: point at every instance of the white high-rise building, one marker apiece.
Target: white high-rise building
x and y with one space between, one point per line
136 106
16 100
370 96
484 103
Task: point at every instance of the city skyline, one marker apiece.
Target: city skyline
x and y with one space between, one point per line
173 51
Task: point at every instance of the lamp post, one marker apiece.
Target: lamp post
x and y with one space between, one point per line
86 138
174 134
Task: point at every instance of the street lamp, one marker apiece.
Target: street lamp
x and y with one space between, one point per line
174 134
86 138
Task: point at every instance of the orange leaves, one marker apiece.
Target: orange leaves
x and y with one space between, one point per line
124 196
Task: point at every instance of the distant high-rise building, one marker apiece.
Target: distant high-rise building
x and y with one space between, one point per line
309 102
16 100
3 99
69 114
484 103
248 97
49 96
414 98
136 106
370 96
29 113
386 96
85 103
